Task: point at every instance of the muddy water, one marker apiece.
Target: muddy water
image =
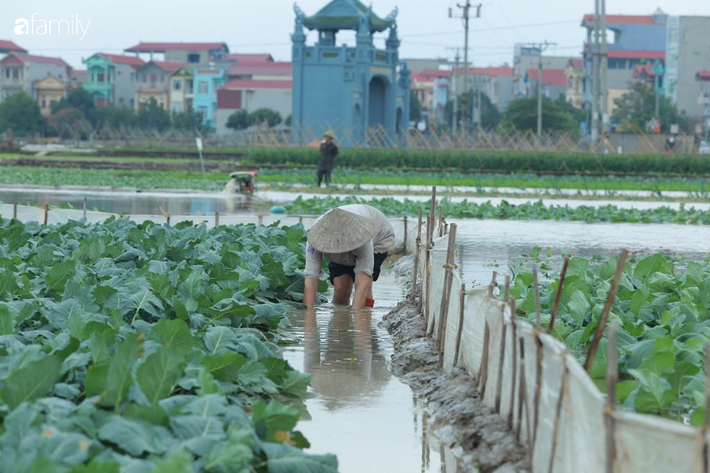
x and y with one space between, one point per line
485 246
358 409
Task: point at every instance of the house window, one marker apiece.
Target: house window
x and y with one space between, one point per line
145 77
177 107
44 103
177 85
189 86
202 87
100 77
133 76
193 58
15 73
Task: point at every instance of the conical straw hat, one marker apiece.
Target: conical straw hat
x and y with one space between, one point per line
339 231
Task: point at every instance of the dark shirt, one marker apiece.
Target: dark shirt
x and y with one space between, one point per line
328 152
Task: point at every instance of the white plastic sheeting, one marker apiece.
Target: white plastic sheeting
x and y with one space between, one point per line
567 408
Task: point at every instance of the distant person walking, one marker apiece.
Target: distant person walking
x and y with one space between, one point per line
326 163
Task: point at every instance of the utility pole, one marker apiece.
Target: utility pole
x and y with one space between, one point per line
603 81
541 47
595 77
466 7
454 89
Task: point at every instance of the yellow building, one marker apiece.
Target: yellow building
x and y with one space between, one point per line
49 91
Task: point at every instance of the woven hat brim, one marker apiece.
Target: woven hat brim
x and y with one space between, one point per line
340 231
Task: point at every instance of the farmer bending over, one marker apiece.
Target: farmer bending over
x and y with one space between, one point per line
356 239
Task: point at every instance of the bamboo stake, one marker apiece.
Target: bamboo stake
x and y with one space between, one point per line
167 218
514 326
216 219
405 234
483 374
501 359
558 412
462 300
417 255
14 210
611 378
84 208
492 284
605 311
506 294
430 235
300 219
556 304
706 425
538 383
441 221
446 295
46 213
536 288
521 390
261 220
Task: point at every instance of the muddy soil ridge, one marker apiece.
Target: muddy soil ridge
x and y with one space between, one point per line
479 437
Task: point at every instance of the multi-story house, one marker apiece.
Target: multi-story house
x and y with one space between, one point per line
554 83
575 76
206 84
181 94
112 79
7 47
687 54
195 54
632 40
281 71
49 91
19 71
153 82
431 87
495 82
528 57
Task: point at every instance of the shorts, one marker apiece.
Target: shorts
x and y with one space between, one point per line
336 269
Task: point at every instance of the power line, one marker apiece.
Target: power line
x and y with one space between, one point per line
497 28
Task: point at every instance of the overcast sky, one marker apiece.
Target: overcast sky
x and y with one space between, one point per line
265 25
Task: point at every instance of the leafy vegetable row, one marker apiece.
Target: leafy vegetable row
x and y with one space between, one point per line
148 348
506 211
503 161
662 310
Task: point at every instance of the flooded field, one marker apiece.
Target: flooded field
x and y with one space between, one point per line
358 409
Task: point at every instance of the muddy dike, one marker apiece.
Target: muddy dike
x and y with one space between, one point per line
480 438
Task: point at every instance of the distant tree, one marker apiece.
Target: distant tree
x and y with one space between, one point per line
238 120
81 100
289 120
21 114
153 116
637 107
271 117
117 117
188 121
415 107
68 122
577 113
522 115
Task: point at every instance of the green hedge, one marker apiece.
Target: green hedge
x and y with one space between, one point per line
490 161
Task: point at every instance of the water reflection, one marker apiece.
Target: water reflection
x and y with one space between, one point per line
343 356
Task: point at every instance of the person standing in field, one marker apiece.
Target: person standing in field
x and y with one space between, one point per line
328 152
356 239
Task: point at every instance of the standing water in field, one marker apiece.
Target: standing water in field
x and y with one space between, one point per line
359 410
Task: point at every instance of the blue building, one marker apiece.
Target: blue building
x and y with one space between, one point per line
360 91
205 85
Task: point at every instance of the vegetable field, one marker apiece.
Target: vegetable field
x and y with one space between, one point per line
526 211
661 309
149 348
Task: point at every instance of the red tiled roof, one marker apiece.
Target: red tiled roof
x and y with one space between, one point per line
133 61
250 57
147 47
490 71
703 75
75 73
8 46
168 66
258 84
644 68
262 69
623 20
576 63
36 59
552 77
635 54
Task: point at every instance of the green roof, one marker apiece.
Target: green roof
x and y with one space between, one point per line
345 15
